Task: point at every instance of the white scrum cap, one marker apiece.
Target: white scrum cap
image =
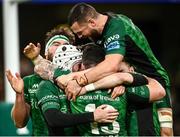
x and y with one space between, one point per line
66 56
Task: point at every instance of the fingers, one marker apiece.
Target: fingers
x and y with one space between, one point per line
115 113
69 96
117 92
74 97
111 111
112 118
39 45
9 75
102 106
18 75
29 47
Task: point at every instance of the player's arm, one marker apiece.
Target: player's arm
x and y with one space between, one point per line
107 67
20 110
127 79
50 106
111 81
166 121
44 68
56 118
115 47
155 92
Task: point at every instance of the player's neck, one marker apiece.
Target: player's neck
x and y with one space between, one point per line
102 19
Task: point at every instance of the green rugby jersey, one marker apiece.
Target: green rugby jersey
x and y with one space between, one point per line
142 117
31 84
89 102
50 96
133 98
121 36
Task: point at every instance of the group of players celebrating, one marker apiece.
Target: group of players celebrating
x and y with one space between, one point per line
113 86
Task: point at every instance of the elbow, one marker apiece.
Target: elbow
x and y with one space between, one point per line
20 125
162 93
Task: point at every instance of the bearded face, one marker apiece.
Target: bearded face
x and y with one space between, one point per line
94 35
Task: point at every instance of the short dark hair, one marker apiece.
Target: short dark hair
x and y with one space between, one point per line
62 29
92 55
80 12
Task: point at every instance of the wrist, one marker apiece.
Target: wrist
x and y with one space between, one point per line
37 59
90 87
82 80
19 93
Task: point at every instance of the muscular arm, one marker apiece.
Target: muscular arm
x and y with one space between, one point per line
20 111
114 80
156 91
109 66
44 68
51 105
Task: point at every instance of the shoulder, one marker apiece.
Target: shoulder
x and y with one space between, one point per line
47 87
32 76
46 84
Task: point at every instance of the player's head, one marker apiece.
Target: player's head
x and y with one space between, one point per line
92 55
68 57
83 21
62 35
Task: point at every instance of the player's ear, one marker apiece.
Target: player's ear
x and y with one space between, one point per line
92 22
131 69
82 66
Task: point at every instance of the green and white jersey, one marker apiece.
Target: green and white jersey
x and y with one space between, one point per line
31 84
121 36
50 96
89 102
142 117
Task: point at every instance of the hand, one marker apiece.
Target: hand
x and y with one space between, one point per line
104 115
31 51
63 80
82 79
83 91
72 90
117 91
17 82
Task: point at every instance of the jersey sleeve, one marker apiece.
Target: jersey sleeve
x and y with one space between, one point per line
58 72
139 94
46 96
26 93
114 42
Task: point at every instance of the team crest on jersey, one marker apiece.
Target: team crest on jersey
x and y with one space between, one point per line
113 45
33 89
35 85
110 39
